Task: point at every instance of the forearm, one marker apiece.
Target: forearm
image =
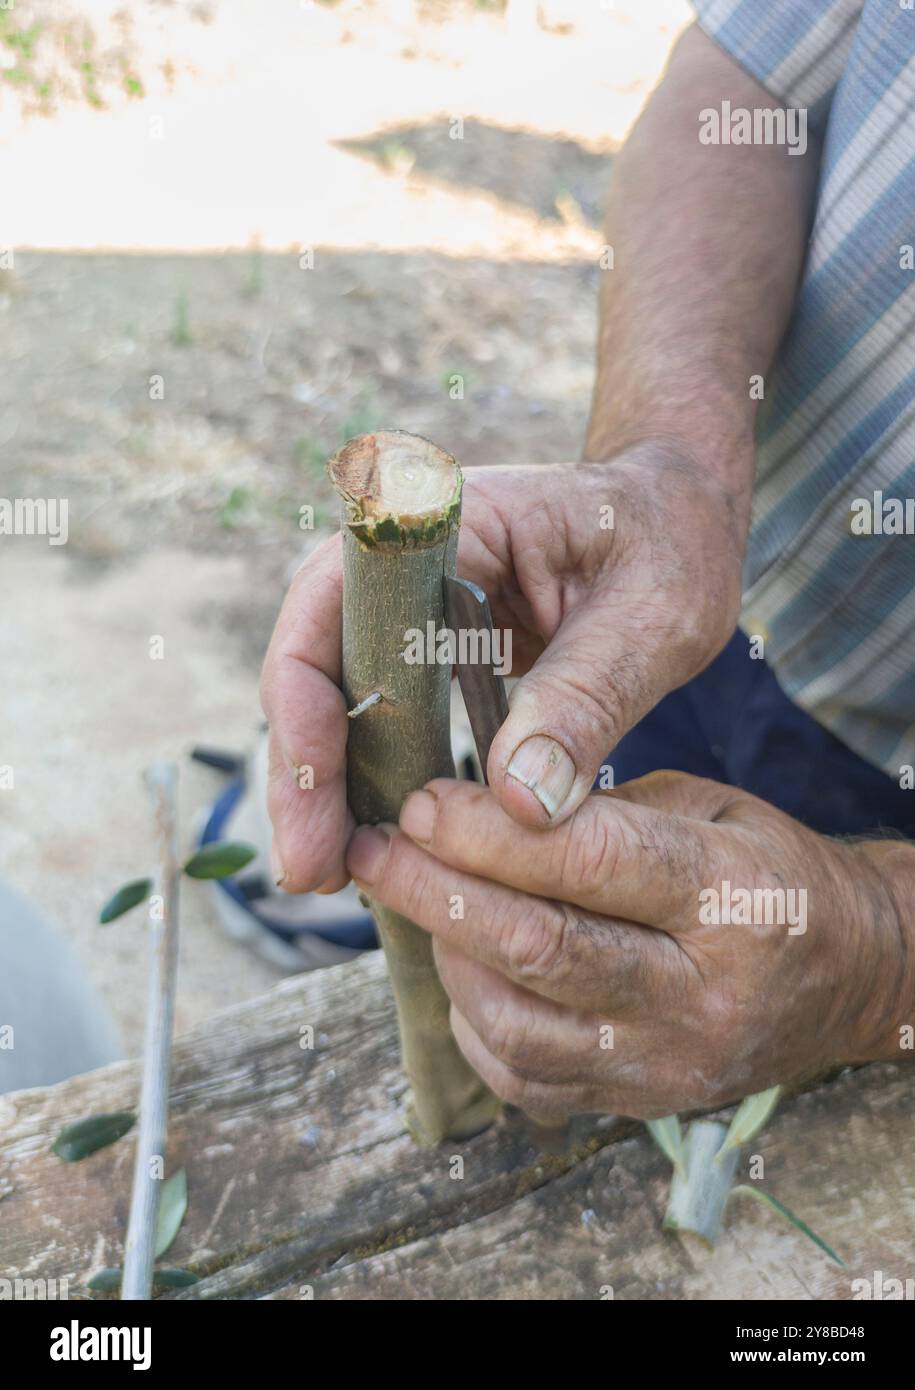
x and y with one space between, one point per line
708 243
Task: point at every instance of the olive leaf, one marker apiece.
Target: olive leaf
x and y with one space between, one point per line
78 1140
220 859
109 1280
131 895
744 1190
668 1136
172 1206
173 1278
749 1118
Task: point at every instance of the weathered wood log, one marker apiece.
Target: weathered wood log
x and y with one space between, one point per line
401 501
302 1182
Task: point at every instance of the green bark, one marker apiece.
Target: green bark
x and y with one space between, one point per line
699 1192
400 516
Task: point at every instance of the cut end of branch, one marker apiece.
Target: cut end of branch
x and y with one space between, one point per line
398 488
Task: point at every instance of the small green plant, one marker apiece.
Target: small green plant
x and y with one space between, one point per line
181 326
704 1160
21 41
234 508
156 1210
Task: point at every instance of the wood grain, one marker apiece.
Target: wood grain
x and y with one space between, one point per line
302 1183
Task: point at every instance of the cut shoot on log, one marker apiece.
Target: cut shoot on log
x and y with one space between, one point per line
401 501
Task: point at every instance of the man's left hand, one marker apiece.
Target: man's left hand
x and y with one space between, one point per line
627 961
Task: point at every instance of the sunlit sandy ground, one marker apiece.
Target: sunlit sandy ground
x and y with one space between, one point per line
283 128
242 139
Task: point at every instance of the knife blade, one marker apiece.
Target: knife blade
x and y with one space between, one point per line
483 689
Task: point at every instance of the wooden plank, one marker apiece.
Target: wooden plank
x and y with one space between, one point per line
840 1156
302 1182
288 1147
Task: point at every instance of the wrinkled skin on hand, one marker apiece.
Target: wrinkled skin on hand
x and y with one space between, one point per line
597 922
604 622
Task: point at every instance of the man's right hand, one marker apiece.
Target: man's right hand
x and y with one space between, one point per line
605 621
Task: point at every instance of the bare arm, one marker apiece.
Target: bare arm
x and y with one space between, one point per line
708 244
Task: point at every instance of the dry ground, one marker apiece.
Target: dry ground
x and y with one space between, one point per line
174 259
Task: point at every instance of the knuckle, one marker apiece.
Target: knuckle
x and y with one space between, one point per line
536 946
407 881
507 1035
587 851
458 808
679 850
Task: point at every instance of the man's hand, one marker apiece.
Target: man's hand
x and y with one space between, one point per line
619 581
582 967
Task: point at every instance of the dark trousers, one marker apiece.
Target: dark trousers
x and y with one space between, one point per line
734 723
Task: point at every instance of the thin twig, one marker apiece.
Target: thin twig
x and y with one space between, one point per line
139 1250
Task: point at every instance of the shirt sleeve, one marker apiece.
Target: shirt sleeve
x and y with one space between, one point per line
797 49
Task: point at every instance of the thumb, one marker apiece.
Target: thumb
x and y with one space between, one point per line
597 677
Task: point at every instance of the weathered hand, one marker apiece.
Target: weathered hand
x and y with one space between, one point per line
583 969
605 620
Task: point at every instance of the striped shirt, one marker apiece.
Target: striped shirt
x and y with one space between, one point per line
830 574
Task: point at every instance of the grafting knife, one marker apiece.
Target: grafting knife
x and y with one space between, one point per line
483 689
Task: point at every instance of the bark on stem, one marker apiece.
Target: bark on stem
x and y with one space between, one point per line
699 1195
139 1246
400 515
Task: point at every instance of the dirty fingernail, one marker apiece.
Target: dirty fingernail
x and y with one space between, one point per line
368 849
545 768
276 864
417 817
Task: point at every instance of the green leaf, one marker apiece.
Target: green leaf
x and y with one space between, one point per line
173 1278
668 1136
749 1118
172 1206
220 859
78 1140
743 1189
109 1280
131 895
